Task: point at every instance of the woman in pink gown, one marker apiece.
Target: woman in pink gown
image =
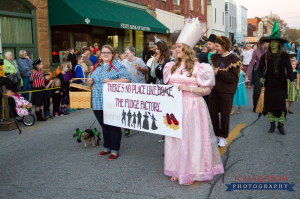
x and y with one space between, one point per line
194 157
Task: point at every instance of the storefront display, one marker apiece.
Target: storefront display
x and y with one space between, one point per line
63 56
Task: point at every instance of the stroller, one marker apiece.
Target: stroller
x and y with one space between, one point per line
20 108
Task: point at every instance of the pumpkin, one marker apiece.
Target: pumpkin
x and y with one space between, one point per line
51 75
56 72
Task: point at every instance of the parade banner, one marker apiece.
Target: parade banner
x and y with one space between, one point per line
144 107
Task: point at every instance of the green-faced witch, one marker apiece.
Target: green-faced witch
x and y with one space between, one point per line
273 70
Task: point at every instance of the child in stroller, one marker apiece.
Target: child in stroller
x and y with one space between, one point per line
20 108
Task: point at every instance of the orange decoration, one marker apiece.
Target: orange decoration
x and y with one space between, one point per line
56 72
51 75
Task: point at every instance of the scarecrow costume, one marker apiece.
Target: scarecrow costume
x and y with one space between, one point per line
271 71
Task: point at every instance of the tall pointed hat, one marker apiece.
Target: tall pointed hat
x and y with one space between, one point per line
275 34
192 31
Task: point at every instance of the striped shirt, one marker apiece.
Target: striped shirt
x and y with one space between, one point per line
99 75
38 79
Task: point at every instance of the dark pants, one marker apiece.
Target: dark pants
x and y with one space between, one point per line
26 87
256 90
112 135
205 99
56 106
220 103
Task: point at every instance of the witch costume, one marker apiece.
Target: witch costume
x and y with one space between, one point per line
145 122
271 71
195 156
153 126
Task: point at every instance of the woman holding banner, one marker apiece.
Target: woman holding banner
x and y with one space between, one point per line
196 156
107 71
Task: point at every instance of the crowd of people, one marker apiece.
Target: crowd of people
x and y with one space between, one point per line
213 80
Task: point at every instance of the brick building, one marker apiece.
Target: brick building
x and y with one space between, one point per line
49 28
24 26
196 7
253 22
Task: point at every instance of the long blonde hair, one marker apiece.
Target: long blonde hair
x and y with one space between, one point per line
190 60
61 67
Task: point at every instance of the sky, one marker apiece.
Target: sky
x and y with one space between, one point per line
288 10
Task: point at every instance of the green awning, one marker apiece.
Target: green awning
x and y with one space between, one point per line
102 13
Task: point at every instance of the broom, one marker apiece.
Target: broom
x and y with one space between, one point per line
261 100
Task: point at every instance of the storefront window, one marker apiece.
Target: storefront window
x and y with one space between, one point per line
14 6
127 38
16 30
97 35
139 43
80 36
60 38
113 38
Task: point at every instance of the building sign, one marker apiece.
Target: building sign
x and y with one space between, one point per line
143 107
134 27
260 29
238 36
252 39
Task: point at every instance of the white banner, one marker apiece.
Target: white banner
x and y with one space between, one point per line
144 107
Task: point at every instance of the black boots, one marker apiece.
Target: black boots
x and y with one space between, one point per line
272 128
39 116
280 128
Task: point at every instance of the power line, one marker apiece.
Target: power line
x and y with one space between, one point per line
291 17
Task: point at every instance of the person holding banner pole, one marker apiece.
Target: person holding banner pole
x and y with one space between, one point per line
194 157
107 71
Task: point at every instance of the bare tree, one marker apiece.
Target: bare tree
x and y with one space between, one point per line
294 34
282 25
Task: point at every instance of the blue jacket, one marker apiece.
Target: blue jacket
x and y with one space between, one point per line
298 55
25 65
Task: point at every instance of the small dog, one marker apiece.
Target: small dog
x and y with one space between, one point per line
88 136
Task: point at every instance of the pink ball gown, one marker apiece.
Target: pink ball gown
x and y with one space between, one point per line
196 156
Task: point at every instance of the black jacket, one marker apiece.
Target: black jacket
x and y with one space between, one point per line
72 58
276 77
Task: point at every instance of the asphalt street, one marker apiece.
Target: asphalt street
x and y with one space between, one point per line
45 161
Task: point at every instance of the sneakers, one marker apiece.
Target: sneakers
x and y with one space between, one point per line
127 133
71 110
222 142
56 114
218 139
162 139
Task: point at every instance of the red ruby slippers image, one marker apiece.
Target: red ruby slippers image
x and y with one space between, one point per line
174 120
171 121
168 119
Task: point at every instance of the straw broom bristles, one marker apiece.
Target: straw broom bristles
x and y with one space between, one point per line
261 101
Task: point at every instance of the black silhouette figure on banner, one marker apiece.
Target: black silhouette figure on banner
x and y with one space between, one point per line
153 127
129 115
123 117
139 123
134 119
145 122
